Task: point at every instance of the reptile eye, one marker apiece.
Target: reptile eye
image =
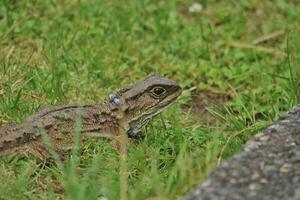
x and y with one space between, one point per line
158 91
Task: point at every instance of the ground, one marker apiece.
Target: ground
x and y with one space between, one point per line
238 62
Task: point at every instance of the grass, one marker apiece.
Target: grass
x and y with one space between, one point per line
60 52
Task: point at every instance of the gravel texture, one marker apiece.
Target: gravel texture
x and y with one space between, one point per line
267 168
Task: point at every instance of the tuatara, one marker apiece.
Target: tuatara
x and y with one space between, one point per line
139 103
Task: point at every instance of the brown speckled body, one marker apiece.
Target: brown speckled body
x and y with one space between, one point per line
139 104
59 123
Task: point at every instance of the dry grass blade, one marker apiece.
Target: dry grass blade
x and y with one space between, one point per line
189 90
266 50
34 97
122 141
10 52
267 37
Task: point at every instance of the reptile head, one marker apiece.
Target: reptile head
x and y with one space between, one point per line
146 99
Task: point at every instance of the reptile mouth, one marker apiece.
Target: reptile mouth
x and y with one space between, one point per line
176 94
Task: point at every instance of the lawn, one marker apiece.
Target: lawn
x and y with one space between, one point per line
237 61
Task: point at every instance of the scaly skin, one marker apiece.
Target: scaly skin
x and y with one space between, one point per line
140 102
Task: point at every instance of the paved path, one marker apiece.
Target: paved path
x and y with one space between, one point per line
268 168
